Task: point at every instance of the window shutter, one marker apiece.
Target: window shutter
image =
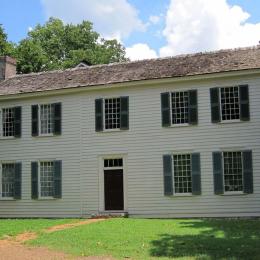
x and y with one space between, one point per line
99 114
218 172
57 179
165 107
215 105
34 179
17 121
167 173
193 107
195 171
244 103
124 113
35 120
57 108
18 181
248 171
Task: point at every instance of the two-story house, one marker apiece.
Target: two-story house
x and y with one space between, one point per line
170 137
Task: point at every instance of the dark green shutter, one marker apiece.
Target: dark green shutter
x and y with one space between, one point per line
218 173
165 109
167 174
215 105
193 107
195 173
124 113
244 103
57 109
99 114
57 180
34 179
17 122
248 172
35 120
18 181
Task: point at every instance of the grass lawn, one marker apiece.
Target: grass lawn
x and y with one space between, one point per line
12 227
160 239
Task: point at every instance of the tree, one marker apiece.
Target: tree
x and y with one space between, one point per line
55 45
6 48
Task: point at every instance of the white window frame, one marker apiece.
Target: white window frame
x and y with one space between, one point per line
104 116
40 122
222 158
39 181
220 106
1 123
1 163
178 194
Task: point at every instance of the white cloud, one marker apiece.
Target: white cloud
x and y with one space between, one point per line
140 51
111 18
154 19
199 25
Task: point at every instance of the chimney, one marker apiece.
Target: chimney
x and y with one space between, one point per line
7 67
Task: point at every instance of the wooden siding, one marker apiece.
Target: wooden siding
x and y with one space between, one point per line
80 148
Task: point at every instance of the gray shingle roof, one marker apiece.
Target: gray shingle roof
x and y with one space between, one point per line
178 66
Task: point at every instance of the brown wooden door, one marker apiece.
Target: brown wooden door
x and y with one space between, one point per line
114 189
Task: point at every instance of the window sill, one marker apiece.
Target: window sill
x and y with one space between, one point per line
182 195
180 125
233 193
113 130
46 198
7 199
231 122
8 138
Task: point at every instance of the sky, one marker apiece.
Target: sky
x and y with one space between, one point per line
147 28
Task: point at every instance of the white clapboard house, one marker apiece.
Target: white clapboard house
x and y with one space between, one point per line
170 137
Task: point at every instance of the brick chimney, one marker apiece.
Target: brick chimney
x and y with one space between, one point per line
7 67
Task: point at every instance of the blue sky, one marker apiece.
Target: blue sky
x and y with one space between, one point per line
147 28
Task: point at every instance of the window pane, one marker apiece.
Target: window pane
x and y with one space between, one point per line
230 103
233 173
46 178
112 113
8 122
47 119
182 173
180 107
8 170
113 162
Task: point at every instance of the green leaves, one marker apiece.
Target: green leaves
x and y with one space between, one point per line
56 45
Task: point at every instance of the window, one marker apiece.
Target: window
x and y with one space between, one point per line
46 178
233 171
180 107
8 122
8 172
108 163
46 119
182 173
230 105
112 113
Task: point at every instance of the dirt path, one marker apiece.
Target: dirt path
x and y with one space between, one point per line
13 249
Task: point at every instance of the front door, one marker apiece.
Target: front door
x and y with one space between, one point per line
114 187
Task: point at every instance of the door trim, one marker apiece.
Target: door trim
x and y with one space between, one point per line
102 181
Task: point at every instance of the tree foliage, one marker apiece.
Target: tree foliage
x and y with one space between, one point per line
6 48
56 45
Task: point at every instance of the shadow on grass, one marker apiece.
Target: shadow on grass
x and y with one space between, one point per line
216 239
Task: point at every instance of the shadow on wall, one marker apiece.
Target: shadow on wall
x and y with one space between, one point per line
216 240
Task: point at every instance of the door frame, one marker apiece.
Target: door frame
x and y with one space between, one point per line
102 181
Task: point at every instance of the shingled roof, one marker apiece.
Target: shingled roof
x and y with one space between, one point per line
178 66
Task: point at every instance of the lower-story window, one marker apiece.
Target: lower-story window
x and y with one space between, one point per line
46 179
233 171
182 173
8 172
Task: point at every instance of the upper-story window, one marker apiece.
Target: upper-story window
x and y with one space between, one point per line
230 104
10 180
46 119
112 114
179 108
11 121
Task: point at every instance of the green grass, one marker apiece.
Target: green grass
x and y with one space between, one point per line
12 227
160 239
